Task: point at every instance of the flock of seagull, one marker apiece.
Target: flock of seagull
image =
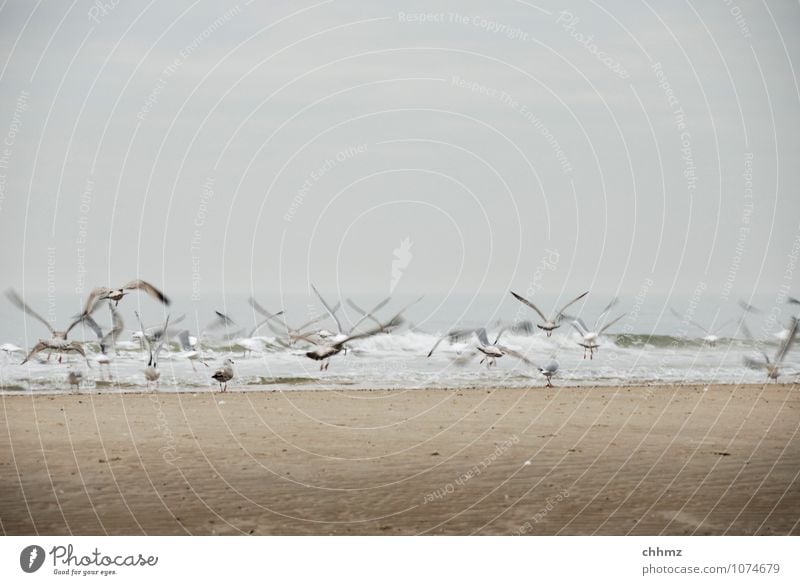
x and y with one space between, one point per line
323 344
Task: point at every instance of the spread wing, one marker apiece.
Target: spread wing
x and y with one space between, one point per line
367 314
610 323
525 301
148 288
394 322
331 312
94 298
564 308
456 333
41 346
481 335
579 326
787 343
17 301
517 355
144 335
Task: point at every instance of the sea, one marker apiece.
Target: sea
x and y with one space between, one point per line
649 345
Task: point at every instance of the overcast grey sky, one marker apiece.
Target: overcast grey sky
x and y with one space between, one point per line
406 146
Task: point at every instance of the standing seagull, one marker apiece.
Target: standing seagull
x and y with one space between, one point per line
224 375
772 366
553 323
151 372
58 339
116 294
548 371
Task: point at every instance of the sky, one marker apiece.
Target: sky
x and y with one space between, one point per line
446 148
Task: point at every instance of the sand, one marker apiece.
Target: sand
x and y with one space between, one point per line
634 460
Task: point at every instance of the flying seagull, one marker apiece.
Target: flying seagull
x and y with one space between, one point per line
552 323
116 294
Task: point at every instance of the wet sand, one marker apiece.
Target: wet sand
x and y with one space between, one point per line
637 460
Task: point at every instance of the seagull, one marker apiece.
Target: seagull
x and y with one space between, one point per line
224 375
116 294
711 337
189 349
252 343
58 341
324 353
548 371
590 336
553 323
772 366
491 351
151 372
74 378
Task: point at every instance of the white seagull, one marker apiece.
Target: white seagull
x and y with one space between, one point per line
58 339
324 352
151 372
491 350
711 335
116 294
590 336
554 322
772 366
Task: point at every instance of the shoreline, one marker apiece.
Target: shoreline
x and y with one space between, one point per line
634 459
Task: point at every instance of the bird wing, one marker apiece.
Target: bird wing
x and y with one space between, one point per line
754 364
557 318
516 354
117 326
787 343
792 301
36 349
316 319
530 304
500 333
367 314
579 326
92 301
163 340
394 322
454 334
610 323
264 322
747 308
331 312
480 333
183 339
17 301
145 286
683 318
144 335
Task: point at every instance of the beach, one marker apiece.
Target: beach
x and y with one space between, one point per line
645 460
